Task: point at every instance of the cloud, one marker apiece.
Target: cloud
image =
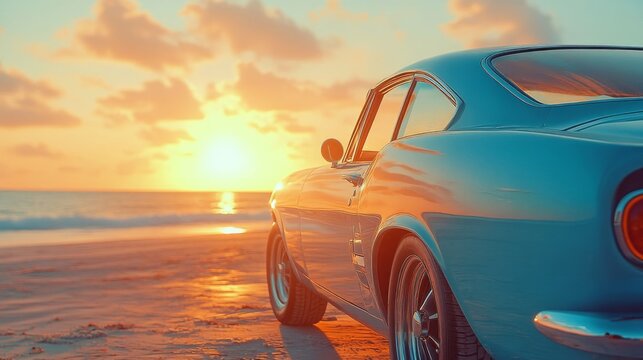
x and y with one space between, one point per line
154 102
39 150
291 124
283 121
269 92
31 112
121 31
12 81
264 128
211 92
25 102
334 9
255 29
158 136
481 23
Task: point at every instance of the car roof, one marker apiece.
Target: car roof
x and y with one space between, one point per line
489 101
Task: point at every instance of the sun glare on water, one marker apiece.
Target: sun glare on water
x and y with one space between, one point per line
226 204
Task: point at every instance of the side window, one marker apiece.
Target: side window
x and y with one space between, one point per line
429 110
383 124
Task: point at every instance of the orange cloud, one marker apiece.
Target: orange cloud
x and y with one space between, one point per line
25 102
211 92
269 92
266 128
39 150
481 23
121 31
335 9
291 124
158 136
12 81
283 121
156 101
253 28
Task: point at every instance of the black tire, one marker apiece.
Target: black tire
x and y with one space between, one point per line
438 329
291 301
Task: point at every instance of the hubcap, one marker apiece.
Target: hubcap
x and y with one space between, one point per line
421 325
417 330
280 274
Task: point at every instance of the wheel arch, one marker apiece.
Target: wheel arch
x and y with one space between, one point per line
277 228
388 238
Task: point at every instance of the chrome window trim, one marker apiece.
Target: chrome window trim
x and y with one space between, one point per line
521 95
440 85
403 110
386 85
382 87
618 230
350 149
448 93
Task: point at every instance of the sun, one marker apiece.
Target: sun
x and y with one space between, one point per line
225 158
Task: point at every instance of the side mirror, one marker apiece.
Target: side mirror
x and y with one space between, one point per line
332 151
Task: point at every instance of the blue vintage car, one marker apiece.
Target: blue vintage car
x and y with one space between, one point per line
489 204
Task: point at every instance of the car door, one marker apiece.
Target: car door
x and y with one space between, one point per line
428 109
328 201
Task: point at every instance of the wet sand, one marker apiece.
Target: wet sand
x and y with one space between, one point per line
186 297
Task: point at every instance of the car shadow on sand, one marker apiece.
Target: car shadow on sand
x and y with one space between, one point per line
307 342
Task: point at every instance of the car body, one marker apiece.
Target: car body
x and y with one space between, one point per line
515 199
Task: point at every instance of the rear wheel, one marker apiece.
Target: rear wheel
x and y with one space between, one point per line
425 320
291 301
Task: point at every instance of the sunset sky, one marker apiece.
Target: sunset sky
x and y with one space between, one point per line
230 95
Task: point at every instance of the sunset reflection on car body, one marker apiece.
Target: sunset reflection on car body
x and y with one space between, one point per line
489 214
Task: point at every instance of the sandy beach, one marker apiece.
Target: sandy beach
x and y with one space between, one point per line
185 297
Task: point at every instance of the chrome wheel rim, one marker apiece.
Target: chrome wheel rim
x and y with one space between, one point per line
280 274
417 328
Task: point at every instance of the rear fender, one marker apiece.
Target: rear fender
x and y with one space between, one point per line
394 229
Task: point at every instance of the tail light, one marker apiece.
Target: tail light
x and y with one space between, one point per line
628 224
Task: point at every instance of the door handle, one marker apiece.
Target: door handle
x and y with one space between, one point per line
355 179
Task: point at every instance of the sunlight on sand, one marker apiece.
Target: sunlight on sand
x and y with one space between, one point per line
236 291
230 230
182 297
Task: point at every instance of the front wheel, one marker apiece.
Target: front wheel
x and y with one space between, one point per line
291 301
425 320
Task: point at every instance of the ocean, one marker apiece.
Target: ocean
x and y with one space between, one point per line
47 217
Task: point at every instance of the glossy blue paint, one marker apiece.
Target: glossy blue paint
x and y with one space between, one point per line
413 226
514 200
327 222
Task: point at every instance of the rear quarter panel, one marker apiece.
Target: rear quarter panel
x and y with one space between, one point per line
521 223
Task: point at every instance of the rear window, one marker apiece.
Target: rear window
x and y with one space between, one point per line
560 76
